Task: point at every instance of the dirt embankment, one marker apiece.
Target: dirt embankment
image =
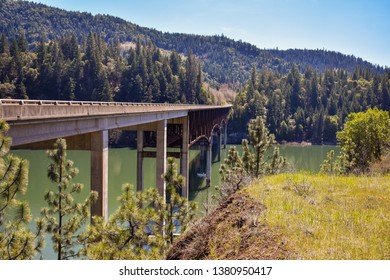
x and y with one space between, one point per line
234 231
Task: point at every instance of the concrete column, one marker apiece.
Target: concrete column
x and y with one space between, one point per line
161 157
203 153
209 162
99 172
184 162
225 136
140 160
219 144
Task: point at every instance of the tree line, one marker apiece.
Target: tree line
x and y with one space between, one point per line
311 106
91 69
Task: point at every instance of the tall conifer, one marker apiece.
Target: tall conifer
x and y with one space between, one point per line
64 216
17 241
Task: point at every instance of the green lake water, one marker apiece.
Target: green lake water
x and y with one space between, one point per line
122 169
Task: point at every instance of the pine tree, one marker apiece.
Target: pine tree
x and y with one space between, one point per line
64 216
179 211
232 163
131 233
238 170
314 93
385 93
17 241
144 225
294 80
233 175
175 62
259 140
22 42
191 80
331 165
277 163
4 44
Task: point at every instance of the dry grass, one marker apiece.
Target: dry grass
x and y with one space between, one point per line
381 167
233 231
323 217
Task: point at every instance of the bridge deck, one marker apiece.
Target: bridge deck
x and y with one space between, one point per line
13 110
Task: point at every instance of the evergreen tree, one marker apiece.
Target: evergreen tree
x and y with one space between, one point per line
331 165
385 94
4 44
64 216
17 241
144 225
314 93
131 233
175 62
294 80
179 211
253 152
22 42
233 164
238 170
277 163
58 72
193 79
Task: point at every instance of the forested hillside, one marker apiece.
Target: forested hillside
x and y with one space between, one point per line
311 106
304 95
65 70
224 60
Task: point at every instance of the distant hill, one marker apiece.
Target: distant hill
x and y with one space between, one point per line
224 60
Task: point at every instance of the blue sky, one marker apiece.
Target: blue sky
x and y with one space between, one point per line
357 27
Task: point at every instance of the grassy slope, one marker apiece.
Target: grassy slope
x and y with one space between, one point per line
324 217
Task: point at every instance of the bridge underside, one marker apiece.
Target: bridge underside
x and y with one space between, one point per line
180 128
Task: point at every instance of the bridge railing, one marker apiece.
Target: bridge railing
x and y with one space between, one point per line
17 109
64 102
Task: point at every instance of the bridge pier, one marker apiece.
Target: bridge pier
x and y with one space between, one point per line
224 135
161 157
184 162
140 160
161 153
209 159
219 144
99 172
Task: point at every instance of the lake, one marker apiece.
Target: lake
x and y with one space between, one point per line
122 162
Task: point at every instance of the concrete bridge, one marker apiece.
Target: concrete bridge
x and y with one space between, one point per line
35 124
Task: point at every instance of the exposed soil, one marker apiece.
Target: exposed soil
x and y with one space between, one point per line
234 231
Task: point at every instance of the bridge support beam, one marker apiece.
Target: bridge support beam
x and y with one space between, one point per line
140 160
161 157
99 172
184 162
